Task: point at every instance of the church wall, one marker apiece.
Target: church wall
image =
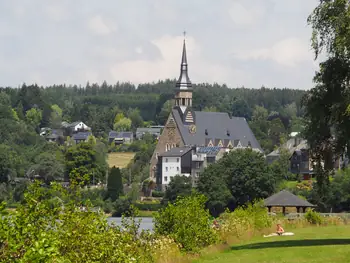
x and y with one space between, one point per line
169 138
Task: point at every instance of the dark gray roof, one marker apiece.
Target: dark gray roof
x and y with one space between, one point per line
149 130
114 134
217 125
209 151
81 135
176 152
286 199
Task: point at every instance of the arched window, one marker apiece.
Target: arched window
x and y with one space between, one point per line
173 145
167 147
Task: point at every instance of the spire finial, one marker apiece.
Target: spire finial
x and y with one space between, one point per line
184 34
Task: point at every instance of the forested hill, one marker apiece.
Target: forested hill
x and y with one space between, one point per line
96 105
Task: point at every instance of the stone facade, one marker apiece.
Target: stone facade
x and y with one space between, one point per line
169 138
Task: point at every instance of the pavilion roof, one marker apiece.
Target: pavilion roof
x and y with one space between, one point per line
286 199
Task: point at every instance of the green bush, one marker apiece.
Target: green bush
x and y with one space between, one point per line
157 194
40 230
187 222
148 206
122 207
313 217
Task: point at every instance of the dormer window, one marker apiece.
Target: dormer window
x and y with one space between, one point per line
206 131
228 133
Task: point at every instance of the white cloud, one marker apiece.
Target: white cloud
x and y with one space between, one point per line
98 26
141 41
287 52
168 66
246 14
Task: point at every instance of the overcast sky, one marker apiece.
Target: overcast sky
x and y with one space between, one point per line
238 42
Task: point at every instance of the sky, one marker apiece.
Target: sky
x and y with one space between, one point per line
246 43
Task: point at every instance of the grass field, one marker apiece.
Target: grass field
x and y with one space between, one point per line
313 244
120 160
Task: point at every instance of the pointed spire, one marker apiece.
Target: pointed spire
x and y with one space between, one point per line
184 82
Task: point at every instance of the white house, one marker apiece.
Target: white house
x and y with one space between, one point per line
177 161
76 126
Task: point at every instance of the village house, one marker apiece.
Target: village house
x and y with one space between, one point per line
74 127
81 137
187 127
120 137
185 161
153 130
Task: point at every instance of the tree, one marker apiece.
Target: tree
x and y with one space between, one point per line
178 186
33 117
260 114
8 163
210 109
244 174
114 184
56 116
327 126
123 124
49 166
218 194
81 163
164 112
136 119
240 108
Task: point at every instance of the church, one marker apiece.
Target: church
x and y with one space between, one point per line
186 127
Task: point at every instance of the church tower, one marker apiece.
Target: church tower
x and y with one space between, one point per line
183 90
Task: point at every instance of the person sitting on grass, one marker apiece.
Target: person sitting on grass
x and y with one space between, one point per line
280 230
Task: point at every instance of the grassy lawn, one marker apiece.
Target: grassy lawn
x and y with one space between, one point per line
143 213
313 244
120 160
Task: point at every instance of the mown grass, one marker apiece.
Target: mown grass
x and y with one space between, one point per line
120 159
310 244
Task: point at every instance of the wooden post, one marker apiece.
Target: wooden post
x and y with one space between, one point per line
304 210
269 207
284 210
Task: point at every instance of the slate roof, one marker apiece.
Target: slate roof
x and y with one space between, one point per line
114 134
216 124
149 130
286 199
176 152
81 135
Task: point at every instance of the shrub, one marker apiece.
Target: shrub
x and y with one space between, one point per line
40 230
121 206
313 217
148 206
248 220
187 222
157 194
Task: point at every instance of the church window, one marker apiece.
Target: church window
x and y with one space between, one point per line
167 147
229 145
210 144
239 145
220 144
183 102
173 145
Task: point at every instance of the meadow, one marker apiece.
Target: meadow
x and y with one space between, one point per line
120 159
309 244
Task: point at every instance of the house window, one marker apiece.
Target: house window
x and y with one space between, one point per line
197 165
165 178
166 169
166 160
177 159
177 168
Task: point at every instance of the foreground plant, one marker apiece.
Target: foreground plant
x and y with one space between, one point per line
41 230
187 222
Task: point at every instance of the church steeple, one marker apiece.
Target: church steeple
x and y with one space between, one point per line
183 96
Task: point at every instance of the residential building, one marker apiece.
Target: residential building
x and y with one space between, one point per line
120 137
55 136
185 161
81 137
187 127
74 127
153 130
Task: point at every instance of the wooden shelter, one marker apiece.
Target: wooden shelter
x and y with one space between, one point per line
287 199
